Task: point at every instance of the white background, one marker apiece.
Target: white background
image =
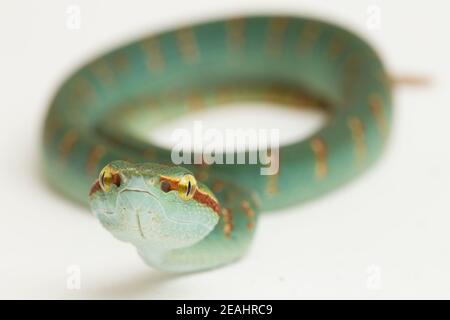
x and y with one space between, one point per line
386 235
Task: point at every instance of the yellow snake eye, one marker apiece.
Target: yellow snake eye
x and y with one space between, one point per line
108 176
187 186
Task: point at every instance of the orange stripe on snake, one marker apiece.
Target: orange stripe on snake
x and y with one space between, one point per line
320 152
187 45
358 135
377 108
155 58
67 143
199 195
275 37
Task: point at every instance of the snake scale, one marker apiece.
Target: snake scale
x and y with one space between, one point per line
196 217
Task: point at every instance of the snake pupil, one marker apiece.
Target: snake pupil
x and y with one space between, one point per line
188 188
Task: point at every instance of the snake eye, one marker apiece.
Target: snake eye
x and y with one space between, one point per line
187 186
108 176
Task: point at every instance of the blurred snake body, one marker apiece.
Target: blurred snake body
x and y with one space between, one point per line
196 217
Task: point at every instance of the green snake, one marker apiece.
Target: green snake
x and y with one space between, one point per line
200 216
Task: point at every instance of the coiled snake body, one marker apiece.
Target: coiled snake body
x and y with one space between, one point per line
201 216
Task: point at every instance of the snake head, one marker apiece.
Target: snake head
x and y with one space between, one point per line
153 205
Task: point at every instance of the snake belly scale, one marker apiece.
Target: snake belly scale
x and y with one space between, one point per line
197 217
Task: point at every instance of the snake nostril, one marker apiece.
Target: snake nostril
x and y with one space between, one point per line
165 186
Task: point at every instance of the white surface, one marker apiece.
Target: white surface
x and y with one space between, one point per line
384 236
